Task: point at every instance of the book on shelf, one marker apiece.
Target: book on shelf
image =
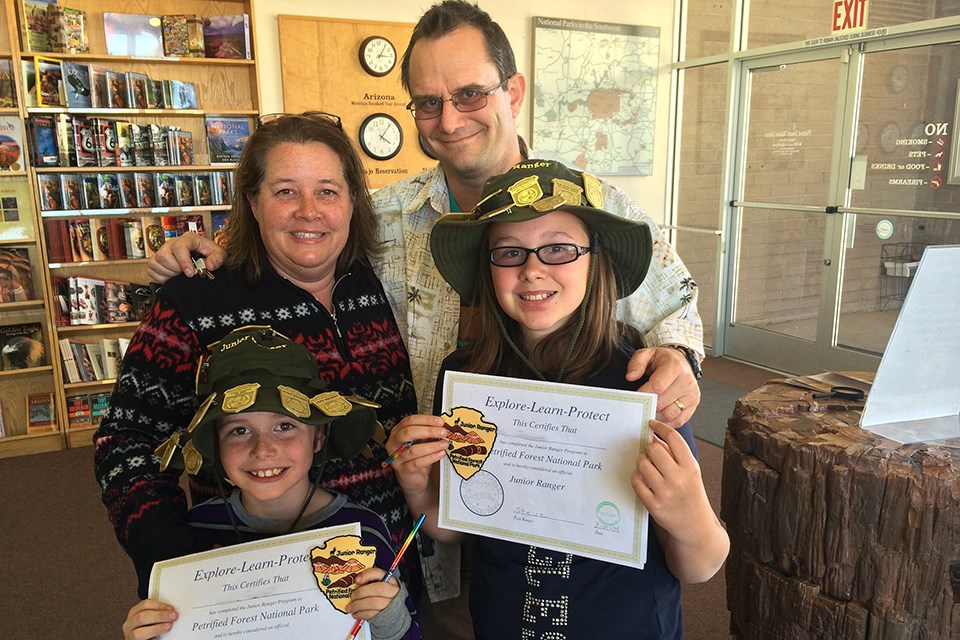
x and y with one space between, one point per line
116 302
109 187
2 432
81 240
8 89
128 190
84 140
76 84
55 247
21 346
29 74
136 89
95 354
183 182
99 234
176 36
89 296
182 145
78 412
155 98
192 223
124 144
70 369
43 138
82 357
170 229
72 191
98 87
110 348
36 24
124 343
218 221
195 36
91 191
152 234
63 124
105 141
166 190
11 146
116 90
142 153
61 300
51 198
40 413
183 95
16 275
158 145
203 196
118 240
99 404
222 184
49 82
146 189
16 210
226 137
69 31
73 300
227 36
134 35
141 298
133 235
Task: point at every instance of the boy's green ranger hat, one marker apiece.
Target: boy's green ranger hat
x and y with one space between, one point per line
255 368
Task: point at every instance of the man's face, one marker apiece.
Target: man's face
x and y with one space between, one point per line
476 145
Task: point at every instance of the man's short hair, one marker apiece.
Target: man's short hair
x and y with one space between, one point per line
444 18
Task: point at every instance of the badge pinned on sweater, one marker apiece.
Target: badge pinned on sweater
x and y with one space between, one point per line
336 564
473 440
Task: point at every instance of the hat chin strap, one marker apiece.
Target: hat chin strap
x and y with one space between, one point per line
581 319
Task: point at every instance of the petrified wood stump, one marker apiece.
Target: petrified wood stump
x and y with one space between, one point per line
836 532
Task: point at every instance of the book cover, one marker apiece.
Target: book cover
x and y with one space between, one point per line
74 301
100 238
11 145
43 134
155 98
124 144
21 346
218 220
170 229
158 145
117 241
220 182
124 343
105 141
81 240
227 36
16 276
152 234
176 36
99 404
72 191
142 153
89 296
78 412
183 183
91 191
16 210
76 81
8 90
141 299
166 190
65 141
226 137
116 303
108 185
183 95
55 248
69 31
116 90
195 36
201 189
110 347
29 74
51 198
40 413
50 82
184 147
96 359
84 141
191 223
133 233
82 358
37 24
70 370
130 34
146 190
128 190
98 87
136 89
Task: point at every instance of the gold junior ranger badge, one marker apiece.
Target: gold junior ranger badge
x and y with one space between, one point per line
336 564
331 403
296 402
192 459
571 192
240 397
594 190
473 440
526 191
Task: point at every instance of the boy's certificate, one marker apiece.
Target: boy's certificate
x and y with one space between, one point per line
546 464
283 587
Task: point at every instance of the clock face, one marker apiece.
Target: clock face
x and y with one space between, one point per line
378 56
381 136
899 76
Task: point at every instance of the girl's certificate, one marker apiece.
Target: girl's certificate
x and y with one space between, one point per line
546 464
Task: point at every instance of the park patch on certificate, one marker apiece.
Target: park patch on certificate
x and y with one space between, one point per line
284 587
546 464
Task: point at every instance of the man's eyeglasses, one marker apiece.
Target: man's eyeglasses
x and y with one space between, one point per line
465 101
561 253
320 116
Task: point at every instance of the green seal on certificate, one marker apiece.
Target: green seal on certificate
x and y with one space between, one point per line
608 514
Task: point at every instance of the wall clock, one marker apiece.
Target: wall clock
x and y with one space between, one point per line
381 136
898 78
378 56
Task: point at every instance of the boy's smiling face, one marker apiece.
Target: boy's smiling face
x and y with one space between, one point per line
268 456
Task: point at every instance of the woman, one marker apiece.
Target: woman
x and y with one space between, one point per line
301 227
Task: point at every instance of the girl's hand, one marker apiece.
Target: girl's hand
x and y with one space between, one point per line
412 466
148 619
372 595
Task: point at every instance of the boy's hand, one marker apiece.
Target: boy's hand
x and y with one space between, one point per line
148 619
372 595
412 466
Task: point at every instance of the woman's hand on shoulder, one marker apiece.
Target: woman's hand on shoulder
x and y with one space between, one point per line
419 442
148 619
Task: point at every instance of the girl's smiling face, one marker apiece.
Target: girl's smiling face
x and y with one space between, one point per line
540 297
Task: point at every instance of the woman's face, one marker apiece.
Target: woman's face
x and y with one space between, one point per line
303 209
540 297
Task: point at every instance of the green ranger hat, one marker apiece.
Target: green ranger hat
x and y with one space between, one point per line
529 190
254 368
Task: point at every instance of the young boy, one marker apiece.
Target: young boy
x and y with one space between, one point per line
265 421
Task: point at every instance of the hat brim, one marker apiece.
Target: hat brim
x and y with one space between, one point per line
458 246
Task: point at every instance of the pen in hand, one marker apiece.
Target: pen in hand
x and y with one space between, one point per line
392 569
393 456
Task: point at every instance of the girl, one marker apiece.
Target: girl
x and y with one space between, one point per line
545 265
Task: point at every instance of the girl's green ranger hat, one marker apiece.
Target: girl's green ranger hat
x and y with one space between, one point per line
255 368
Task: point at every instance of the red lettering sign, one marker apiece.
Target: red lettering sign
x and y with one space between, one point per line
849 15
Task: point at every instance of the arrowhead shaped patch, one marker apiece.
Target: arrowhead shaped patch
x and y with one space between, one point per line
473 440
336 564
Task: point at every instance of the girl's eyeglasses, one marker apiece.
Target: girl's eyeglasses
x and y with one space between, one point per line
320 116
561 253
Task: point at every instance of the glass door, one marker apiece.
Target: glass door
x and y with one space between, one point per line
844 174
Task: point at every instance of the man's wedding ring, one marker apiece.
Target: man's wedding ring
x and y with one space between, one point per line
679 404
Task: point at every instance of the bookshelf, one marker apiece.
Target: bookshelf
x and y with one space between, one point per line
226 87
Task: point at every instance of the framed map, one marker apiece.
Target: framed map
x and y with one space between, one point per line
595 94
